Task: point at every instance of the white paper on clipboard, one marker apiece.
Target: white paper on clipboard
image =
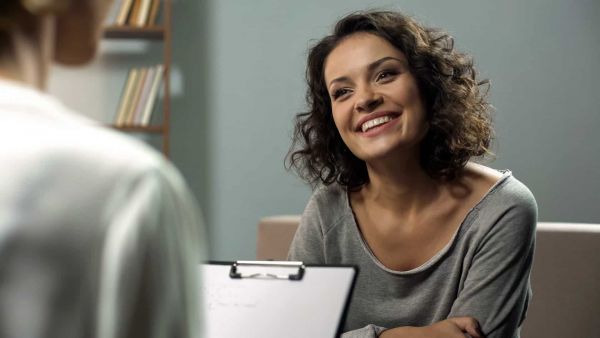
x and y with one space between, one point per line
266 303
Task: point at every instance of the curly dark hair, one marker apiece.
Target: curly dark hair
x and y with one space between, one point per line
458 113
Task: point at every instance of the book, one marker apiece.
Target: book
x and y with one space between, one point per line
137 92
144 93
124 11
151 100
111 17
135 10
153 13
143 14
126 97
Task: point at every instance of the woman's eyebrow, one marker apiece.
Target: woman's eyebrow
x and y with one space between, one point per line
370 68
377 63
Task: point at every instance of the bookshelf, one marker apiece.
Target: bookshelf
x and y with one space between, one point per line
156 32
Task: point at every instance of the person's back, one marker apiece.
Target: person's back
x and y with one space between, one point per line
99 236
93 228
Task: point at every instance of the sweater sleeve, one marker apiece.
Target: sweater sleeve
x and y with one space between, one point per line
497 290
308 243
369 331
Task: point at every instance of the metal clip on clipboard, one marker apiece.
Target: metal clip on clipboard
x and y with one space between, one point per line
234 272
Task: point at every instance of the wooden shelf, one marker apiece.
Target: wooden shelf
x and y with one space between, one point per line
141 129
131 32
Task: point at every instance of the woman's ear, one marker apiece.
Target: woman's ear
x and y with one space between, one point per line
78 31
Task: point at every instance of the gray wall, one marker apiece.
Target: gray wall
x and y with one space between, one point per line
240 82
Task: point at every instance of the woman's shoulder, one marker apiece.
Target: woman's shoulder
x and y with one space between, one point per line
510 192
327 205
509 207
332 195
500 185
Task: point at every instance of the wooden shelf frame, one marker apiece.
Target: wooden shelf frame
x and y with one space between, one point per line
161 32
167 57
130 32
158 129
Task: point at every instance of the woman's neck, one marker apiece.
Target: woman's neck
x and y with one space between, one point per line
400 185
29 53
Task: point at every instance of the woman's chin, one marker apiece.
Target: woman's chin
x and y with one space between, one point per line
387 152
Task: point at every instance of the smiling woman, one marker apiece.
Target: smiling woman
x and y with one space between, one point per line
458 112
444 246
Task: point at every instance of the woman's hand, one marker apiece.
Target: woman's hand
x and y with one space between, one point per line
450 328
456 327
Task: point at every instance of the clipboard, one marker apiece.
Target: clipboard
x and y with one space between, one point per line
274 299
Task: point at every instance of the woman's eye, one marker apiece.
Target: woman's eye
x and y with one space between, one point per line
339 92
385 75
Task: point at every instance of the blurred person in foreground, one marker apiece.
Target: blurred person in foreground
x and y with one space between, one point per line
99 235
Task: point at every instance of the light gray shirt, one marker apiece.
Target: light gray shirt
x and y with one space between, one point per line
99 235
483 272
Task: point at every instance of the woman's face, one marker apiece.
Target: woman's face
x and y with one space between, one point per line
376 103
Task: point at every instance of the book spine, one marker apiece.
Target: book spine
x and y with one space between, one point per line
136 96
126 97
135 12
145 92
147 114
124 11
142 19
153 13
111 17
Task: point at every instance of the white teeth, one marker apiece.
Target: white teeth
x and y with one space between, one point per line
375 122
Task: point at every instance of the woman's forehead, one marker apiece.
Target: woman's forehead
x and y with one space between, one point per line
356 52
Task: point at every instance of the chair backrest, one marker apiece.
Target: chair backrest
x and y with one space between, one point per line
275 236
565 277
565 281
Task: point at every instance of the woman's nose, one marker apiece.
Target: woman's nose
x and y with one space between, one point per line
367 100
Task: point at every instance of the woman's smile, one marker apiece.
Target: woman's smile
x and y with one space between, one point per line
375 123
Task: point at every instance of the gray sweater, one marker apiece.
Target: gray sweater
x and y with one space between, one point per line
483 272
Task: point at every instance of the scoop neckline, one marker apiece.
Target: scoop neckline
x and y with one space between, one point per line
437 256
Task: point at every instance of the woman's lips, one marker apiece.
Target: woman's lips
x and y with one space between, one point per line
375 122
375 119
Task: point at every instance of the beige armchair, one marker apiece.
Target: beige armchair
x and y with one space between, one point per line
275 235
565 277
565 282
